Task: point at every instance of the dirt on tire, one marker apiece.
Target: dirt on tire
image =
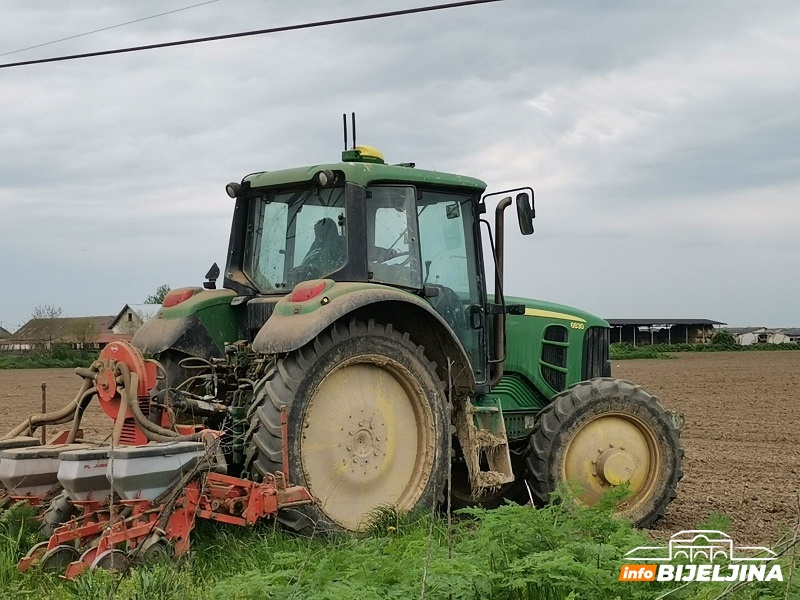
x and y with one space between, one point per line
603 404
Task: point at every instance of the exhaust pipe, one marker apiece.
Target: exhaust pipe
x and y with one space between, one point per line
500 317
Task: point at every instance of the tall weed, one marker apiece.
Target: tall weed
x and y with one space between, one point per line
561 551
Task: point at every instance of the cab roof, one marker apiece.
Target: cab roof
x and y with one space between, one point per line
365 173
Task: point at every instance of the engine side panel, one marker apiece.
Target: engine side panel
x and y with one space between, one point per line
547 348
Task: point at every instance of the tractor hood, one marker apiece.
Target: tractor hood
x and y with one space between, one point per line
551 310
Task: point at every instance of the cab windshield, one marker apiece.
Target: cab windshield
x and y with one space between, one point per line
295 236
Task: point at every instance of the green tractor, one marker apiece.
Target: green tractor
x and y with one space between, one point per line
355 322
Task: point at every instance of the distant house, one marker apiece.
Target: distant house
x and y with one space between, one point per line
774 336
88 333
4 334
747 336
132 316
793 333
91 333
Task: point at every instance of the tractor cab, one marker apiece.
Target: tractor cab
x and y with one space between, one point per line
364 221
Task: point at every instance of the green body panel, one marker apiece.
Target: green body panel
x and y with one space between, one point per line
517 398
524 389
365 174
516 393
214 311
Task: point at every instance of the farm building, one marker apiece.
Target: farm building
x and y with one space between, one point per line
747 336
132 316
4 334
793 333
642 332
78 332
92 333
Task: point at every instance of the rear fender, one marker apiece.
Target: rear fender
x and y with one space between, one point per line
199 326
294 324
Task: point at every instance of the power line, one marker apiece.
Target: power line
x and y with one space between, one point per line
72 37
228 36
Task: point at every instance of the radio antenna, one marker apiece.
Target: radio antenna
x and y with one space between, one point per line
344 122
354 130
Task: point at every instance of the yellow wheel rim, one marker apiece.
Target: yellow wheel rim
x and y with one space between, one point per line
368 440
612 449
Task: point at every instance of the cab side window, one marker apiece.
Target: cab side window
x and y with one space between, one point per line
392 242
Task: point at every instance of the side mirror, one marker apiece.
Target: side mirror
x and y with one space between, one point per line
525 213
211 277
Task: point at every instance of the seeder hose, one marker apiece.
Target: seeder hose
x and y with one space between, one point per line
129 401
63 415
152 431
83 403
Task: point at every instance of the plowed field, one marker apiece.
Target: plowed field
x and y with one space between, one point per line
742 433
21 395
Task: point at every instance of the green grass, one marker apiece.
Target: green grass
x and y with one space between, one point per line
626 351
514 553
58 358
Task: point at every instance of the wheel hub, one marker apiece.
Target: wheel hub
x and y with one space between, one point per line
364 444
610 450
615 466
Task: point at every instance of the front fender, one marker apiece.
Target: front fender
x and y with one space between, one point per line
294 324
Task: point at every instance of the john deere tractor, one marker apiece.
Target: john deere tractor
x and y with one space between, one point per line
354 320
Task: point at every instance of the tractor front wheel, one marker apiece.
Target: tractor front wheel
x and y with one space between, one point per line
366 426
603 433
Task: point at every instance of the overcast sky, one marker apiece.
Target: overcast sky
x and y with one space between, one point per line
662 139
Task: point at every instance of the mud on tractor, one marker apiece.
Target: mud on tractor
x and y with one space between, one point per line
354 344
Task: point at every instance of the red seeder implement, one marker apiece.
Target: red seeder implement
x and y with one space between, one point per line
139 496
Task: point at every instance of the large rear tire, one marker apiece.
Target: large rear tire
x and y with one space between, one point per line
366 426
606 432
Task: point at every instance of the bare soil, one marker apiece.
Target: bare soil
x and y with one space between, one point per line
742 412
21 396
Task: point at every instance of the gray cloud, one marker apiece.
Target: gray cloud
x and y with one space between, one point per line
662 141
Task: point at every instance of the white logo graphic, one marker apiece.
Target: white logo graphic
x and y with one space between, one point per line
700 555
701 545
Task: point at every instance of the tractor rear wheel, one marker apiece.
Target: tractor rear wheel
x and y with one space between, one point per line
366 426
602 433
